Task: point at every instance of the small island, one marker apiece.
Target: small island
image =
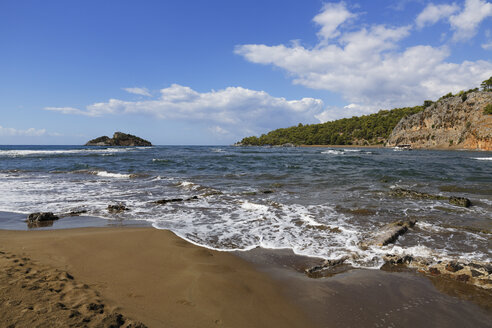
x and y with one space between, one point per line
119 139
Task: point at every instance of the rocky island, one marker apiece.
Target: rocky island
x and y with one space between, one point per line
119 139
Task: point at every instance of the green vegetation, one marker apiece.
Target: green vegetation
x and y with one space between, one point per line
487 84
364 130
368 129
488 109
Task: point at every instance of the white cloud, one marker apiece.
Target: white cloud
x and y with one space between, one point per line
330 18
487 46
466 23
70 110
232 109
31 132
335 113
368 67
434 13
138 91
218 130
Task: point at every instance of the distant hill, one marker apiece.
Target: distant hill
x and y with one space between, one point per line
463 120
119 139
371 129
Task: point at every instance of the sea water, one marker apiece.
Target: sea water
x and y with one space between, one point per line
319 202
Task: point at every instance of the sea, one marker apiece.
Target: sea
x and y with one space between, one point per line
318 202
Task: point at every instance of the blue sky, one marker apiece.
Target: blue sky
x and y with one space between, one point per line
212 72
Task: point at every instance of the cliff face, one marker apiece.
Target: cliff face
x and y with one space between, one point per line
119 139
449 123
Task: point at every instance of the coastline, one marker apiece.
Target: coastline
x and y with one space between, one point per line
154 277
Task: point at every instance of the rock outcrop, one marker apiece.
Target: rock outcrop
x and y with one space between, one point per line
41 216
453 200
119 139
388 233
473 272
454 123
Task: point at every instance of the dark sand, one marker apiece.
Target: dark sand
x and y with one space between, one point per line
375 298
126 275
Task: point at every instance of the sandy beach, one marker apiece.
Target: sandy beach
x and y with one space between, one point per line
141 276
67 277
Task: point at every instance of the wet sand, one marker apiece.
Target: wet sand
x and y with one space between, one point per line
375 298
123 275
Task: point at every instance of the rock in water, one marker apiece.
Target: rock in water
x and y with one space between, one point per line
41 216
119 139
459 201
388 233
118 208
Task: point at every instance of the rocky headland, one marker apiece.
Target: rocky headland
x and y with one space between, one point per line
457 122
119 139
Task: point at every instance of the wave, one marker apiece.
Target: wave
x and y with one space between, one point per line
483 158
333 152
27 152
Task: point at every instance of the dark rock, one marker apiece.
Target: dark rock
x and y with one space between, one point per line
485 267
475 273
267 191
119 139
453 267
400 192
117 208
41 216
171 200
328 267
434 271
396 259
459 201
174 200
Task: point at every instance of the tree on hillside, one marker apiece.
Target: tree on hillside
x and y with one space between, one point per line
487 84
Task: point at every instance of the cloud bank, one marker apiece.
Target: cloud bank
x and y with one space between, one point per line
369 67
232 109
11 132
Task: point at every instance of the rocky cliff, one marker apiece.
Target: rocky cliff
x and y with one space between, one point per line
455 122
119 139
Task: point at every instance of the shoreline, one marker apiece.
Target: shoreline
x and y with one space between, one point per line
139 271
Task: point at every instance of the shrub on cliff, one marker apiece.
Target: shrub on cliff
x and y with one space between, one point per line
488 109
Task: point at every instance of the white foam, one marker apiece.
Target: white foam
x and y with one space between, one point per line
188 185
333 152
352 150
483 158
254 207
111 175
26 152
